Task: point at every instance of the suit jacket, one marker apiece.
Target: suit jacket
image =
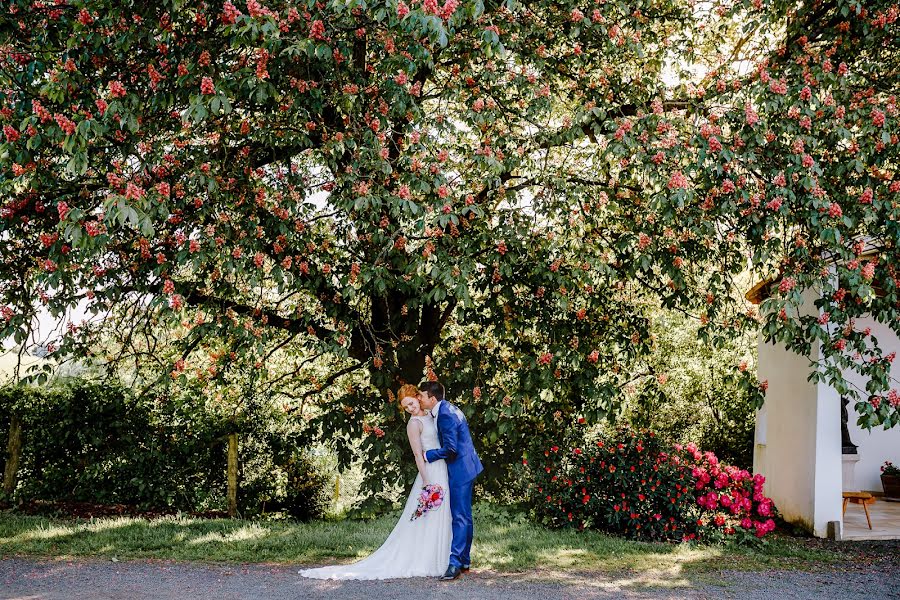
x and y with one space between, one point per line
457 449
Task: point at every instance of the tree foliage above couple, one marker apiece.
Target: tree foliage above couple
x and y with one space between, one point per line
339 196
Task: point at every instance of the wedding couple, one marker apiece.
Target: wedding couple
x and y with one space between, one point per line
440 540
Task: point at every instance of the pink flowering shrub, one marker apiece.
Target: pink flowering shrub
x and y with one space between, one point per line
636 485
732 498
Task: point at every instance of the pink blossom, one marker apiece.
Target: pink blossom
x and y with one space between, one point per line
787 284
93 228
894 398
134 192
866 196
230 13
678 181
42 113
868 271
778 87
448 9
116 89
256 9
750 115
65 124
402 9
877 117
11 133
206 86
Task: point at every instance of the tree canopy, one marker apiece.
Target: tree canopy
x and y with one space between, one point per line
340 196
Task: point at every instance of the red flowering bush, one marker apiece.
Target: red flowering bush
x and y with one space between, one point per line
636 485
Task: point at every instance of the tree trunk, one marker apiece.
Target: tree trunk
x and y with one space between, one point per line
232 474
14 452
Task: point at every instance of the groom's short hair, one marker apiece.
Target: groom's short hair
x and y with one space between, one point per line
433 388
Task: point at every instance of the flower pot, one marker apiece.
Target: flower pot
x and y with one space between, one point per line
891 485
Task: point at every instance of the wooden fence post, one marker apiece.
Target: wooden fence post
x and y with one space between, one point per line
232 474
14 453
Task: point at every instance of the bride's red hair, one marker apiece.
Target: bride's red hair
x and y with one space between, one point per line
407 391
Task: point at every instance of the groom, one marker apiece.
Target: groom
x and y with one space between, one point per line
463 466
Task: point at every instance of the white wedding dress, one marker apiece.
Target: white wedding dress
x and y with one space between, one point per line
419 548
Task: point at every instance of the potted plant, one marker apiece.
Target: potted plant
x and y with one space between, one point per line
890 479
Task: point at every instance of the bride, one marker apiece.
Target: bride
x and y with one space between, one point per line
419 548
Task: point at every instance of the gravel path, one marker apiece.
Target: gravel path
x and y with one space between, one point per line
38 579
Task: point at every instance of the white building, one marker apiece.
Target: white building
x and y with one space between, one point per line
799 442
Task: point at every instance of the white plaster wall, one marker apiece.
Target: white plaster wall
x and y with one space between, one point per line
828 465
878 445
798 438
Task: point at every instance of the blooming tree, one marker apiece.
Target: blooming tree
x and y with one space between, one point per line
487 192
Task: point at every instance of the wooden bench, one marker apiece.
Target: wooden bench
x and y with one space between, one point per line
864 498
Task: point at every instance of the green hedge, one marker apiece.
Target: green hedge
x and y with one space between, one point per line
96 442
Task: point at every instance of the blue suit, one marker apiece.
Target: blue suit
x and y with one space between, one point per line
463 466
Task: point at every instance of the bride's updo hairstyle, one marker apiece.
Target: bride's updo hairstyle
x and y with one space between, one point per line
407 391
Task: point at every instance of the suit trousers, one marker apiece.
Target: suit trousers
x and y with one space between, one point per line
463 524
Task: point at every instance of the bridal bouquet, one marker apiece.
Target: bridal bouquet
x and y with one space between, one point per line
430 498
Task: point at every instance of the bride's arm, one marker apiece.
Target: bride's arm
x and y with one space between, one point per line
414 433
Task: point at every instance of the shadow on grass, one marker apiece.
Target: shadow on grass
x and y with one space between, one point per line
503 544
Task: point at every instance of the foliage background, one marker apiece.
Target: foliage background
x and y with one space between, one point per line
97 442
301 206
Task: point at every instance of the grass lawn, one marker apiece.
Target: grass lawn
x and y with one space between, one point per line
504 542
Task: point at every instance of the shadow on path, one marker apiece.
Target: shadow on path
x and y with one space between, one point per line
31 579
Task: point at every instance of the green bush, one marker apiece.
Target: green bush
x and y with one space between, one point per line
306 492
693 393
96 442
